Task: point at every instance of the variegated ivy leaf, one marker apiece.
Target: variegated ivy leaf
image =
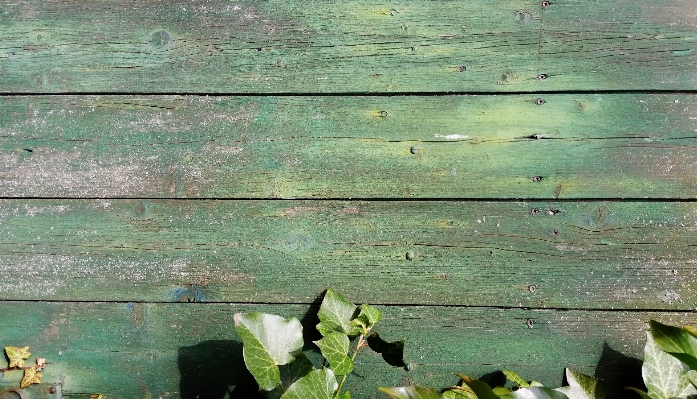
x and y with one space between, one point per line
31 376
513 377
664 375
538 393
335 315
268 342
317 384
17 355
582 386
411 392
676 341
334 347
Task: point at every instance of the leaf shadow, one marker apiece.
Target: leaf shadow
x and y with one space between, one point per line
214 370
618 371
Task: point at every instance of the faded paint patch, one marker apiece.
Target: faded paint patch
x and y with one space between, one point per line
670 12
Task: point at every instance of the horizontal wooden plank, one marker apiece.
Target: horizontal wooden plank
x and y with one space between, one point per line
355 46
600 255
179 350
581 146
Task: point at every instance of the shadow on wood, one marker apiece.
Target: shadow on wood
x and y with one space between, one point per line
618 371
214 370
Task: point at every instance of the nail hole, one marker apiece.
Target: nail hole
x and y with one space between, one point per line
532 288
414 48
9 54
529 323
537 179
534 211
555 232
410 255
27 149
383 114
552 212
462 69
546 4
414 150
540 101
542 76
408 367
393 12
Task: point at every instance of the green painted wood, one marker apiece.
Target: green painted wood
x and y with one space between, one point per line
592 255
583 146
179 350
347 46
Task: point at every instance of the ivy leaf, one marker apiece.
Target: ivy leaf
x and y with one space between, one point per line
480 388
582 386
664 375
317 384
335 314
269 341
513 377
538 393
17 355
367 318
31 376
392 352
345 395
675 341
459 393
334 347
641 393
97 396
290 373
412 392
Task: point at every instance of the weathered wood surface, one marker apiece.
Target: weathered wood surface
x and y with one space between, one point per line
130 350
347 46
582 146
591 255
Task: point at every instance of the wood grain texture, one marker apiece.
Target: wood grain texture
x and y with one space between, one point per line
347 46
182 350
582 146
592 255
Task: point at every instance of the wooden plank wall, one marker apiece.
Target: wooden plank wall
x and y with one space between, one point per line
513 183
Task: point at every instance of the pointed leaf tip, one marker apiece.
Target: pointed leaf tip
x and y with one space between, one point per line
582 386
317 384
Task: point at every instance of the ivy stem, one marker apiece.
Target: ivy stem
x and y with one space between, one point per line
280 385
15 368
353 357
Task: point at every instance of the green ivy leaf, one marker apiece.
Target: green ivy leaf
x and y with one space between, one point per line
641 393
513 377
335 314
31 376
664 375
17 355
538 393
269 341
367 318
582 386
675 341
480 388
317 384
392 352
334 347
290 373
412 392
459 393
345 395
